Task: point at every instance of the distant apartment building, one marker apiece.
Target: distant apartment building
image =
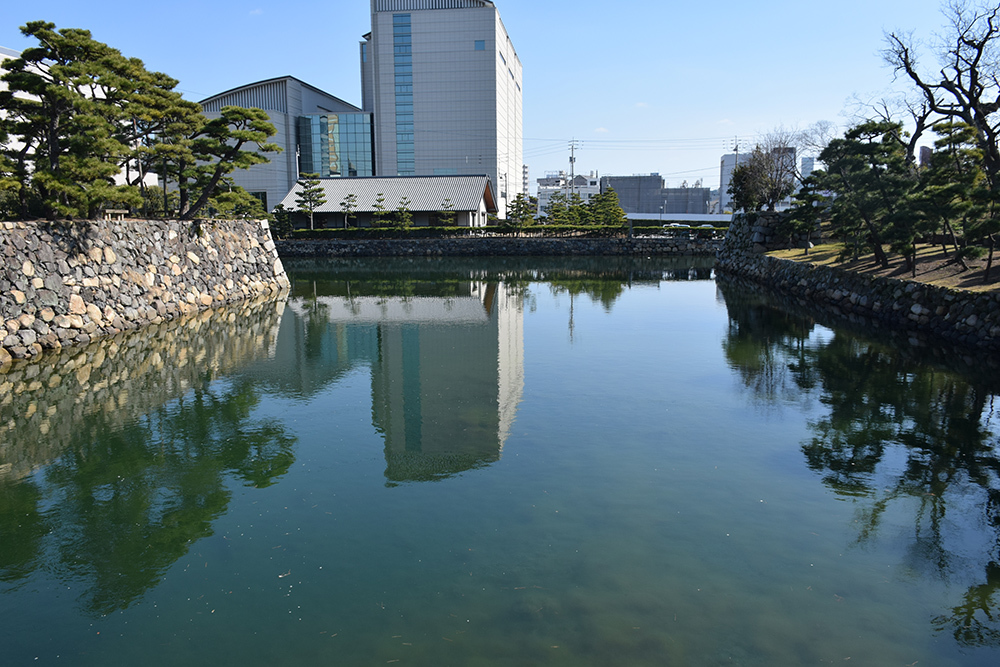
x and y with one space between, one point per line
560 183
318 133
443 81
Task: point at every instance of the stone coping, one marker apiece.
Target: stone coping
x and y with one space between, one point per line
499 247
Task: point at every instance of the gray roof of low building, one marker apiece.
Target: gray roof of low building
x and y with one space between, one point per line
9 52
426 193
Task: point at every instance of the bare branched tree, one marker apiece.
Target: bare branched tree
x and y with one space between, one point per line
966 88
816 137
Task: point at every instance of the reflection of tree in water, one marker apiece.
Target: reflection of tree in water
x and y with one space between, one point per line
767 347
896 435
123 504
22 528
603 279
604 292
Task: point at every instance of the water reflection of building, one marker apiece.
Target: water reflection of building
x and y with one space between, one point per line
447 372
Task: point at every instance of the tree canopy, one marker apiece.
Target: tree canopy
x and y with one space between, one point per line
600 209
878 195
84 126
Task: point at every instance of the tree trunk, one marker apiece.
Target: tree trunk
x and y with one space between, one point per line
954 243
989 260
880 255
182 191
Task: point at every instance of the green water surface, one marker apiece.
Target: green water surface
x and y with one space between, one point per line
520 462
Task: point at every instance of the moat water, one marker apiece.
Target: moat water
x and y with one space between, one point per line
521 462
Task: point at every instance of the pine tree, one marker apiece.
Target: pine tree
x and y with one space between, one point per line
347 206
310 196
403 217
380 217
520 213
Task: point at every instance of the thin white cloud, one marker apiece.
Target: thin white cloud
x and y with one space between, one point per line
725 121
641 105
256 12
601 129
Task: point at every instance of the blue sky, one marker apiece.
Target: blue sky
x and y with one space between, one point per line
645 86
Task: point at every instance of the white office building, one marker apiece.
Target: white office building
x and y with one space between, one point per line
443 81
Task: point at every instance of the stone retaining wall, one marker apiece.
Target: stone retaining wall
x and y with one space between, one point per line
500 247
70 283
963 318
759 233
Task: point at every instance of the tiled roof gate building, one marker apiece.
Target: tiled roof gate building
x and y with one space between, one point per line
470 197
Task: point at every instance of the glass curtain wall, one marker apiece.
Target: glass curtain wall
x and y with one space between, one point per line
403 62
333 145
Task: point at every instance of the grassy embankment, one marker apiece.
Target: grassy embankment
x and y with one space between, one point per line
934 267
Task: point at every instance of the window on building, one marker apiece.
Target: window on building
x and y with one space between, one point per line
480 45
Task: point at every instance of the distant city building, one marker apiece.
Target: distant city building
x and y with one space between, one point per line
786 155
713 201
728 163
808 166
334 138
726 166
646 194
444 83
926 152
560 183
641 193
685 200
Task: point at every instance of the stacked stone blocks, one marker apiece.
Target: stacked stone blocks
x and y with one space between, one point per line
969 319
681 245
70 283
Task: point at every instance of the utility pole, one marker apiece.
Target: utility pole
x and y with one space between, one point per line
572 165
736 163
